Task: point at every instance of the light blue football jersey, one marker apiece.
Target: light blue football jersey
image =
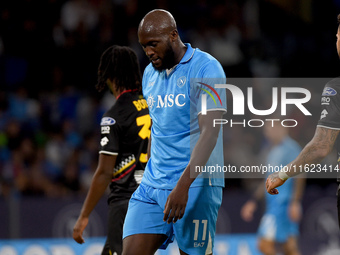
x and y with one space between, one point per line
282 154
175 101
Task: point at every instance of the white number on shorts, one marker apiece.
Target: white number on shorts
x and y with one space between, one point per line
197 223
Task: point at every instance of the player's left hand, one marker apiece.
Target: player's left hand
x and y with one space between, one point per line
295 211
79 228
273 181
175 204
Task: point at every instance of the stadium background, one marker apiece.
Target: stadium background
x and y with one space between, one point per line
50 111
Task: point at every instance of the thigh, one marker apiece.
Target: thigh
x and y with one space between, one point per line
117 212
145 216
266 247
143 244
195 232
290 247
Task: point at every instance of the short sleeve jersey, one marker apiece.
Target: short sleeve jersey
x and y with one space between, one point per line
174 99
282 154
125 130
330 110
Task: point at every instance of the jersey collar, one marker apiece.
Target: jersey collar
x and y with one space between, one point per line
126 91
188 54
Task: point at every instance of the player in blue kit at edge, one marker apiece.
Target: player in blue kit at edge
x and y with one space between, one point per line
173 199
278 229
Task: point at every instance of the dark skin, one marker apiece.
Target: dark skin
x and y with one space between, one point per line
158 37
160 40
101 179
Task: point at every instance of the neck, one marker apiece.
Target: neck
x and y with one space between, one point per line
181 51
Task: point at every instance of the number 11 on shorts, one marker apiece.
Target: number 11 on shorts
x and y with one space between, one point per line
197 227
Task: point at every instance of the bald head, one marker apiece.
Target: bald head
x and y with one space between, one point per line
157 21
158 35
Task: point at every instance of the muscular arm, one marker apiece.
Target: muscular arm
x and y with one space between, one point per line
203 148
176 202
314 152
101 179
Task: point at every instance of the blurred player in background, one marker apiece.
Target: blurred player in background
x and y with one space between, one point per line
279 224
172 199
125 130
326 135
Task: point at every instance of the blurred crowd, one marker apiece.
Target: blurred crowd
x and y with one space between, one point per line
49 54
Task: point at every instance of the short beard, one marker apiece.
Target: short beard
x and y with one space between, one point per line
168 60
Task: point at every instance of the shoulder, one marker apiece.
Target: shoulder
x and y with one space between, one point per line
148 70
205 58
332 87
122 108
109 117
207 64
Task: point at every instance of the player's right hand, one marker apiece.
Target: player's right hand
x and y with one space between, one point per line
79 228
273 181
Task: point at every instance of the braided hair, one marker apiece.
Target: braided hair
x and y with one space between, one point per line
119 63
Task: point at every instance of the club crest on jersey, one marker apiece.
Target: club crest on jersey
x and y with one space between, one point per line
181 81
107 121
329 92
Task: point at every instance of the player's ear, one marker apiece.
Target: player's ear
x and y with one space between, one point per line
174 35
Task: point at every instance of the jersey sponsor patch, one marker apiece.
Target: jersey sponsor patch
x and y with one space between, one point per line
104 141
150 101
325 100
105 129
107 121
168 100
329 92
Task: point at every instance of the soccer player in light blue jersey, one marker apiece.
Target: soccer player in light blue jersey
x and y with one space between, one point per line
279 224
177 196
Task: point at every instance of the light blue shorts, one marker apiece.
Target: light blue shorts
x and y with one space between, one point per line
194 233
277 227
